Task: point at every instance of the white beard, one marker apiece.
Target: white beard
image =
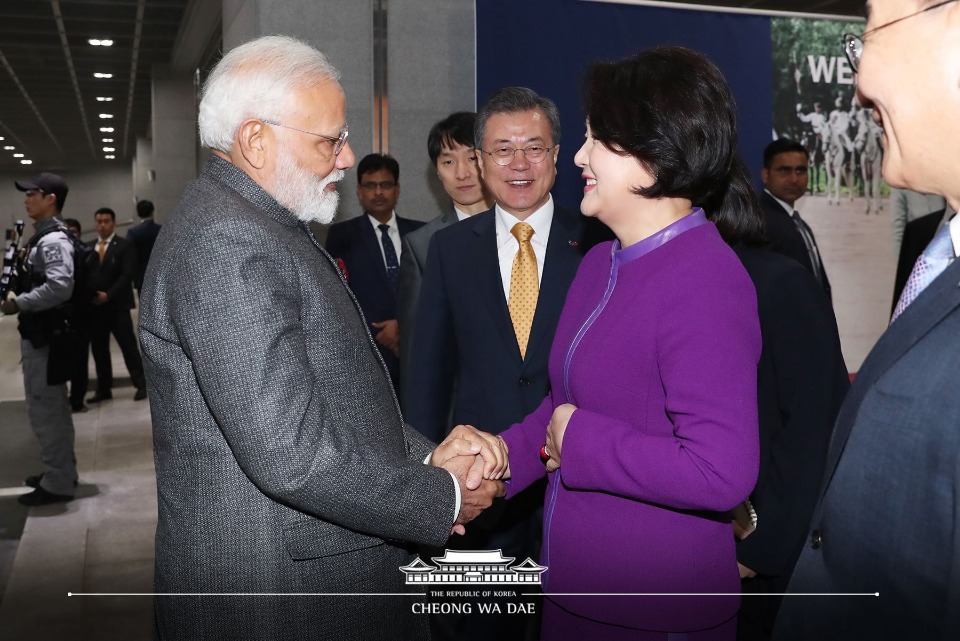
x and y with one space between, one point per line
303 193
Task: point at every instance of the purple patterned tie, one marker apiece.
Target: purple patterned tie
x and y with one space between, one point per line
934 259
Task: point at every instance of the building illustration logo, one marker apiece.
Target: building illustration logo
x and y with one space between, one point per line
472 566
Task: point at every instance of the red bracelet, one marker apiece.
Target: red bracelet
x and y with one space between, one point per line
544 455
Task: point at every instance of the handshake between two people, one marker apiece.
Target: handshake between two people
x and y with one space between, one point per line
480 462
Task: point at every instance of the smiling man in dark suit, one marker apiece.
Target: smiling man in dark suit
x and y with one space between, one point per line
489 304
369 246
887 522
112 302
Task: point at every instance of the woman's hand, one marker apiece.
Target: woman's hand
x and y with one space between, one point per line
555 431
492 450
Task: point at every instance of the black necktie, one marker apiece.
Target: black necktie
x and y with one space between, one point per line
390 253
807 234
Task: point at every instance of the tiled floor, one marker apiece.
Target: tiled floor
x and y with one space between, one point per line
102 542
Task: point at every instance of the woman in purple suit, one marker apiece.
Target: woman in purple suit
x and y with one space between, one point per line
649 435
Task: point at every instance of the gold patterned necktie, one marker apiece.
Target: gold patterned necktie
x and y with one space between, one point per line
102 249
524 286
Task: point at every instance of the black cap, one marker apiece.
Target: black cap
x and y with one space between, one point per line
47 183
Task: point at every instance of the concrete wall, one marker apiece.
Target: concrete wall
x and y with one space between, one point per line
427 77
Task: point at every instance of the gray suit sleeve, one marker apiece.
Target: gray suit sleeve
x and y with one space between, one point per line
239 323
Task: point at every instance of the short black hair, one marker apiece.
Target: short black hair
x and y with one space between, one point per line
511 100
144 208
105 210
672 110
73 222
782 146
376 162
455 129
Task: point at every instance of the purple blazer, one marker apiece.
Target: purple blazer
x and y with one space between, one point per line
657 347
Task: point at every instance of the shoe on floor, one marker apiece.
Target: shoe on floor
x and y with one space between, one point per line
141 394
96 398
34 481
77 409
41 497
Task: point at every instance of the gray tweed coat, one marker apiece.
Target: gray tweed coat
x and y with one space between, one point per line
283 464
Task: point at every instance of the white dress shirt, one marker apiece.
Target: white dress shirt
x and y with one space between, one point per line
955 234
393 233
460 215
508 246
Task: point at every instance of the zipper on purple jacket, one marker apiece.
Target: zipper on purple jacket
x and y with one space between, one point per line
548 516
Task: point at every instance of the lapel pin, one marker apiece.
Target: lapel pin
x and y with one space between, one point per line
573 243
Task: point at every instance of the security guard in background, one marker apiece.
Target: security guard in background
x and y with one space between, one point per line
46 284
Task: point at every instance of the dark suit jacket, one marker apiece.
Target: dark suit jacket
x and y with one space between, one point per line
356 243
784 238
283 464
916 236
115 274
463 328
142 237
888 516
801 383
413 258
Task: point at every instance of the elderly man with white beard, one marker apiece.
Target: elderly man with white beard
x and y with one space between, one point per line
284 469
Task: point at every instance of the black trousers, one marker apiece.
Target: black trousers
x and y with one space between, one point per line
107 320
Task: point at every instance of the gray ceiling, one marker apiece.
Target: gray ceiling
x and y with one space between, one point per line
48 94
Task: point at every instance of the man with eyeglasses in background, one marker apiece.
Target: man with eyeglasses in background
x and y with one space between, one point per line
369 246
784 176
883 550
493 288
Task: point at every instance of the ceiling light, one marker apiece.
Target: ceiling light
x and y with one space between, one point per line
103 75
104 99
26 162
109 157
106 130
100 43
9 148
109 149
1 138
18 155
108 140
106 116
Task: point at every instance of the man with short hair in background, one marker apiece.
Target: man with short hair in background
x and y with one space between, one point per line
112 302
370 248
784 176
142 236
450 147
45 288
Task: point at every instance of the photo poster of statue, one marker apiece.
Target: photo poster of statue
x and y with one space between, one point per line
847 202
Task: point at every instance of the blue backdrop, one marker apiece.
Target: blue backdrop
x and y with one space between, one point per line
547 45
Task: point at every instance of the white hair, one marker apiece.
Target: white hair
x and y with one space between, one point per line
256 80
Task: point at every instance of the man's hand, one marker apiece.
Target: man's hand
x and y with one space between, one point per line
389 335
474 501
555 431
9 307
100 298
492 451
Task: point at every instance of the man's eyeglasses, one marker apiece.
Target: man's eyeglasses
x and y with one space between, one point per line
503 156
337 141
386 185
853 44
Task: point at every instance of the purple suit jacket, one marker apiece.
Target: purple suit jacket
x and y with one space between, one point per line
664 441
